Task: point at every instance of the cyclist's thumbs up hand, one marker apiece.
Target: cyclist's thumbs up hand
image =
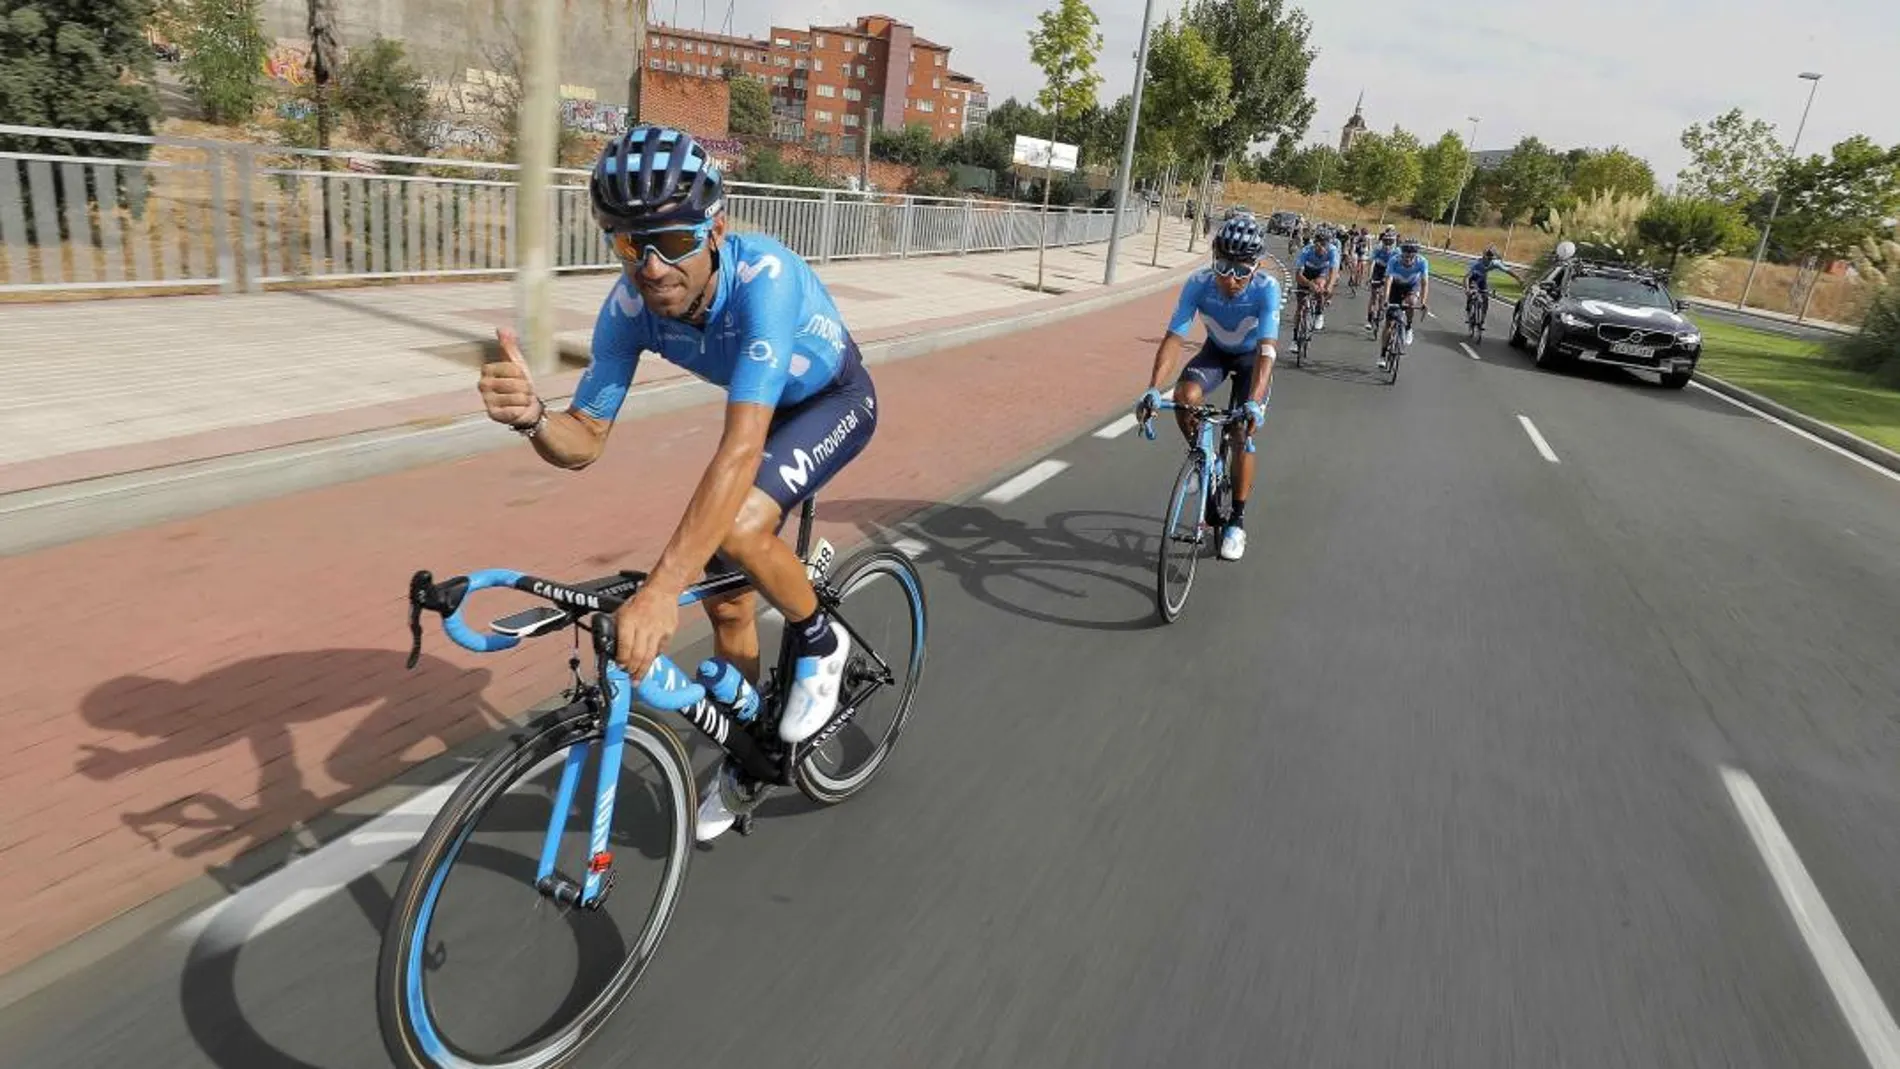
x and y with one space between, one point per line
506 386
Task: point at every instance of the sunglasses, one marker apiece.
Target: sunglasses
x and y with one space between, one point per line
1234 268
670 244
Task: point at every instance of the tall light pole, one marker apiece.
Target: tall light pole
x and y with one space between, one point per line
1774 208
1471 154
1128 147
537 138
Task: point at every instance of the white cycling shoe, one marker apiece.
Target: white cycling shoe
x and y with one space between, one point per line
813 698
1319 322
1233 543
715 809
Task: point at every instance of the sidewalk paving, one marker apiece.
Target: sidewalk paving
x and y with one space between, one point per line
99 388
241 672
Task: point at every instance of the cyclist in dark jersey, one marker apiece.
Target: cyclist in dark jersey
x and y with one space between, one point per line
745 313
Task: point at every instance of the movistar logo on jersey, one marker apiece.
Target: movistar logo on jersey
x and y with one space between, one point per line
764 265
823 326
798 473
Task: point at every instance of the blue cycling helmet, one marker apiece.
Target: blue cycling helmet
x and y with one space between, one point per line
654 176
1240 239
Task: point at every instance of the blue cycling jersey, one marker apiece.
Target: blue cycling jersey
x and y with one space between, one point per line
1397 270
1310 257
1482 268
1382 254
1234 326
773 336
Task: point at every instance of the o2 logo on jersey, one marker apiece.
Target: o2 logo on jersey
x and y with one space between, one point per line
764 265
761 351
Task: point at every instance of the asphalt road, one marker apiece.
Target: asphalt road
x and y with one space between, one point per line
1434 777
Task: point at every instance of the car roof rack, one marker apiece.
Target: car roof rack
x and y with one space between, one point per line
1635 271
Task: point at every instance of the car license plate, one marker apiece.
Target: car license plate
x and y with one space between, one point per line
1623 348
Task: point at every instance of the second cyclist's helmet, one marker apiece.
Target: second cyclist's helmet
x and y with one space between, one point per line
1240 238
654 176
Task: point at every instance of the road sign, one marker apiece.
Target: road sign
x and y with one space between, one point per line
1034 152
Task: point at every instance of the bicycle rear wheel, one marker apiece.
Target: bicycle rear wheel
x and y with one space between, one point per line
1181 537
410 1023
886 663
1394 348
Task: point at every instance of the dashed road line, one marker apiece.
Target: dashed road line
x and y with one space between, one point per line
1118 428
1469 351
1846 977
1537 439
1018 485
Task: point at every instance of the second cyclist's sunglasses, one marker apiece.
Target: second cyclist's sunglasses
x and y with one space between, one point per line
1235 268
671 244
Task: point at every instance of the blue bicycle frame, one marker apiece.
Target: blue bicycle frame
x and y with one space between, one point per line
1207 443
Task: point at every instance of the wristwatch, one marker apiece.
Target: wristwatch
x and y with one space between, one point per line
530 429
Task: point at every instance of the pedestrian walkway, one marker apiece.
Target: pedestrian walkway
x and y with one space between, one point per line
241 672
99 388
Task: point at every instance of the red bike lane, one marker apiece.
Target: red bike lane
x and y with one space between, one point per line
179 694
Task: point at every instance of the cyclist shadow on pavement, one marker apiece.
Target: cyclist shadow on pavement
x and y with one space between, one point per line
1086 569
258 702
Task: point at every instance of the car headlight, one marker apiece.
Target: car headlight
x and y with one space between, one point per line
1689 337
1573 320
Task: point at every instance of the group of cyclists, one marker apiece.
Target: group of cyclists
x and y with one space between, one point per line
746 313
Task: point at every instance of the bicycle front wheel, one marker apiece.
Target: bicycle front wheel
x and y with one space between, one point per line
880 602
430 952
1181 538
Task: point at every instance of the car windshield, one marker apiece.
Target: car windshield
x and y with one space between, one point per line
1621 291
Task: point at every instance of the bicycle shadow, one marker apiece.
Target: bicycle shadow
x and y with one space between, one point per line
1087 569
259 704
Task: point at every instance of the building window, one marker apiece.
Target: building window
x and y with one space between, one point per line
782 42
953 109
703 50
936 83
672 45
781 61
719 52
853 94
654 63
940 59
781 81
864 48
799 64
704 70
860 70
822 116
827 91
818 65
848 145
851 118
673 66
926 105
819 40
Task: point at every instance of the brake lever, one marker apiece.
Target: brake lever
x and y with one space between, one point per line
419 586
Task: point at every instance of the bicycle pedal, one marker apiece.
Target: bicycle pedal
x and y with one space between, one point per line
742 823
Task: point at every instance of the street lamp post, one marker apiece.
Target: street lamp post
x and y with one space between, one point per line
1774 208
1459 201
1128 147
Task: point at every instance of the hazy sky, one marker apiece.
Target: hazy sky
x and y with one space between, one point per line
1630 72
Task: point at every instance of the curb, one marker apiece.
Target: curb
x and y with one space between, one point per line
48 516
1827 432
161 914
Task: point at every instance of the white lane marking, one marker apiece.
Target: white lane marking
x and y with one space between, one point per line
1018 485
1118 428
1859 1000
911 547
1537 439
1431 313
1468 351
1792 429
315 876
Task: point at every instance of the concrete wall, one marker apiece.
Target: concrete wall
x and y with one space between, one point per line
449 40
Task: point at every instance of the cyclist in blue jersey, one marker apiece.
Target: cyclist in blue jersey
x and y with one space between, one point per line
745 313
1316 271
1240 306
1408 282
1478 275
1382 254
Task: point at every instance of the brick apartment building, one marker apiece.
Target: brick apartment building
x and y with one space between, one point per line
830 83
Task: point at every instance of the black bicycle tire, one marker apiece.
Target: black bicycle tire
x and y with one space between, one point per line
1176 493
809 783
449 831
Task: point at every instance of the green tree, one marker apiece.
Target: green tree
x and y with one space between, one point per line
1276 165
1013 117
1382 168
1531 177
1186 95
980 146
1876 348
1831 204
914 145
1732 159
748 107
1265 44
1678 228
224 51
1064 46
76 65
385 100
1442 167
1614 171
1314 167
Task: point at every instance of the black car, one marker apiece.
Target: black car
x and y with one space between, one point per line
1282 222
1607 314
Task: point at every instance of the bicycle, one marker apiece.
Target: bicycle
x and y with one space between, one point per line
1302 324
1477 302
1394 346
597 719
1206 484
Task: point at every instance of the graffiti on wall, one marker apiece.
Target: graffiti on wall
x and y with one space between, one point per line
288 61
592 116
458 134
